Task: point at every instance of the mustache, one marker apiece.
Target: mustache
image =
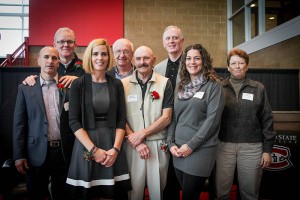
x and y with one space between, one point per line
144 65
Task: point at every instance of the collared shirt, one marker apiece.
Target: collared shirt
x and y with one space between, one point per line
168 93
51 101
119 76
143 85
172 70
66 65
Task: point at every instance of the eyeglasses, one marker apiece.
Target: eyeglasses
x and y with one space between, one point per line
119 52
62 42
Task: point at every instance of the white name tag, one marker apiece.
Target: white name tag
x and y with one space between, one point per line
247 96
199 95
132 98
66 106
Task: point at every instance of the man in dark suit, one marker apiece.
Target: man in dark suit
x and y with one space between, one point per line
70 68
38 149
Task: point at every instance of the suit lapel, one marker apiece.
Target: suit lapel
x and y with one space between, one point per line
39 94
62 98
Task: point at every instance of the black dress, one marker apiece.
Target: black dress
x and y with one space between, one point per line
89 179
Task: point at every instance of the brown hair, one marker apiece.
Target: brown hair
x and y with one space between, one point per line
237 52
207 68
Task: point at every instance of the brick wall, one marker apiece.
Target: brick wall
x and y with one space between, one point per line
280 56
202 21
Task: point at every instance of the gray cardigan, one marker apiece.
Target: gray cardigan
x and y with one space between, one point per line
196 123
161 69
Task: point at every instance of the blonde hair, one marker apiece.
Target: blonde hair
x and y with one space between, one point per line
87 57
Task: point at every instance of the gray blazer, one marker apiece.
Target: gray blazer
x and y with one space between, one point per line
161 69
30 131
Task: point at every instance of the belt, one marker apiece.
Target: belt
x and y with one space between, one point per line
101 117
54 143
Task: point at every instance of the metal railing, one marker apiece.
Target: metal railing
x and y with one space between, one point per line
18 58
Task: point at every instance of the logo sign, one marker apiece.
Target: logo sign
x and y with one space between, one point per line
280 158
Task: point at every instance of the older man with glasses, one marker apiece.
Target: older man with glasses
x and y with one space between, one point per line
123 54
70 66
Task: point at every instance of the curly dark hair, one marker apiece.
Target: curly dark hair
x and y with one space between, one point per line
207 68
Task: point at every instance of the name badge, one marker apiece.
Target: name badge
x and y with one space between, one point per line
199 95
132 98
247 96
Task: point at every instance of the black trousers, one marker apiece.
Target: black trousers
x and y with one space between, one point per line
172 189
54 171
191 185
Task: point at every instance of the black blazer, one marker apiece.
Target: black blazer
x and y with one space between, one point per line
81 105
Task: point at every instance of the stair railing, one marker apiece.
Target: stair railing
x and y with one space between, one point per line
19 57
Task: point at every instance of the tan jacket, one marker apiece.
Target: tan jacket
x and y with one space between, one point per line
141 114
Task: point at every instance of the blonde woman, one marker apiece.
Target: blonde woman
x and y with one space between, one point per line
98 166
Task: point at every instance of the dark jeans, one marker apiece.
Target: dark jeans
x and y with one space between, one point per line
54 171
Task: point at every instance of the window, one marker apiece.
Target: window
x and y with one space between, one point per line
14 22
251 21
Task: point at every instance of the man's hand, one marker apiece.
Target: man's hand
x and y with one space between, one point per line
134 139
67 80
30 80
143 151
21 166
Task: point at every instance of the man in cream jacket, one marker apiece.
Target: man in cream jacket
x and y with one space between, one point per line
149 106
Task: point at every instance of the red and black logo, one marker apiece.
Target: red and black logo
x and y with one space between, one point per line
280 158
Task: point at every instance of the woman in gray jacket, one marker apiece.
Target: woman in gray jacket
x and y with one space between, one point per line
193 134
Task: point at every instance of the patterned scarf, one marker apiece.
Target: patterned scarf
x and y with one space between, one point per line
192 88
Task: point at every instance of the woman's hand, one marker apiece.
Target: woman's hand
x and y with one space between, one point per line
185 151
111 156
174 151
100 155
266 160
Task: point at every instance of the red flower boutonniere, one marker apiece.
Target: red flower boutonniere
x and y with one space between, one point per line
60 88
78 63
154 95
